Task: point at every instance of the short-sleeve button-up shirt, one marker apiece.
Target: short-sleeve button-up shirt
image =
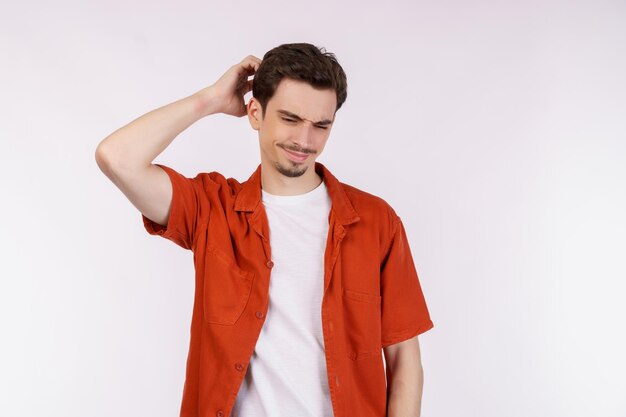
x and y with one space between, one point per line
372 295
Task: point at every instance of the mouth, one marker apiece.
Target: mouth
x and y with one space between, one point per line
296 156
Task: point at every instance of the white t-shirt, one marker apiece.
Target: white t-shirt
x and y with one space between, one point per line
287 372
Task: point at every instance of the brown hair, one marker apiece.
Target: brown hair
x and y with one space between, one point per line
303 62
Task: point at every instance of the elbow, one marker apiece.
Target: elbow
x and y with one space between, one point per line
102 158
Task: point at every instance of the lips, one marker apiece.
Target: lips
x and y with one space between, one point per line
296 156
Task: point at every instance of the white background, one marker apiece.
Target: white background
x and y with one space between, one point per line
495 129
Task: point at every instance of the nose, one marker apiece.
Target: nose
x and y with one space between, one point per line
304 135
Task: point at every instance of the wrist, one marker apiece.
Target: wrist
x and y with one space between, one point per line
205 102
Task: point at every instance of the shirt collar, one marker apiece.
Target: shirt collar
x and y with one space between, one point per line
249 196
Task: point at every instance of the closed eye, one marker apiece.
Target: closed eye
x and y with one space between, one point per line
294 121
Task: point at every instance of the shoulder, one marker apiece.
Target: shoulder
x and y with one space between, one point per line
216 180
212 187
367 201
372 209
207 179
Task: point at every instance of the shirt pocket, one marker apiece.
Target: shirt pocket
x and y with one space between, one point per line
362 317
226 290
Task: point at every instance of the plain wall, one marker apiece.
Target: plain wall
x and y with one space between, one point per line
495 129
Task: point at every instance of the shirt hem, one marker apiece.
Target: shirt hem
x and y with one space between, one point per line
408 334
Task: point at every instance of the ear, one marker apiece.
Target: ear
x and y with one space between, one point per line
255 113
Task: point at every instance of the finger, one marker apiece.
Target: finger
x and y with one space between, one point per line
251 57
251 64
248 68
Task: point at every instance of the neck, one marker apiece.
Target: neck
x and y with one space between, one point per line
276 183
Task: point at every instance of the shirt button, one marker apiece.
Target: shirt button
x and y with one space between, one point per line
238 366
270 264
330 325
259 314
219 413
337 380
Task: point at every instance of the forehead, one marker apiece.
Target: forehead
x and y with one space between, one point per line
302 99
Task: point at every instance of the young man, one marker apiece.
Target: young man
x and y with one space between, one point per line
301 280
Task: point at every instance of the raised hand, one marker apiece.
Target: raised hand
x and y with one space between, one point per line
229 90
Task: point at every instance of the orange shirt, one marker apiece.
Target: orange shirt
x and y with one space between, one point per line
372 295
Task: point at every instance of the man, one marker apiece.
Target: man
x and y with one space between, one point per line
343 286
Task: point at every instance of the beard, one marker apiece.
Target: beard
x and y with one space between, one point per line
292 171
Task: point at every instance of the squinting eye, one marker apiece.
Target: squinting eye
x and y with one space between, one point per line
322 127
288 120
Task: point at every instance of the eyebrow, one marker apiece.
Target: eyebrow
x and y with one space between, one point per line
295 116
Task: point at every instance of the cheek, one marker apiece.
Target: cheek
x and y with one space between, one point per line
271 134
284 134
322 139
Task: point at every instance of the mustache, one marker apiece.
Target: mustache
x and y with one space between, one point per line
298 149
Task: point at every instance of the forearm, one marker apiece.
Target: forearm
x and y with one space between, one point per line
404 390
137 144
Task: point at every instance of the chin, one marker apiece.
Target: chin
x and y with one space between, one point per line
290 170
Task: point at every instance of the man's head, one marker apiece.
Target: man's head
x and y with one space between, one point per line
297 91
301 62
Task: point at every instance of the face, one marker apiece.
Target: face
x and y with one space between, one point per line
295 127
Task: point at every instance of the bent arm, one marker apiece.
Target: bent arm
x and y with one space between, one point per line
135 145
126 155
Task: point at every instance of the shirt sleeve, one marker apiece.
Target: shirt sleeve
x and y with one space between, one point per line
188 203
404 310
